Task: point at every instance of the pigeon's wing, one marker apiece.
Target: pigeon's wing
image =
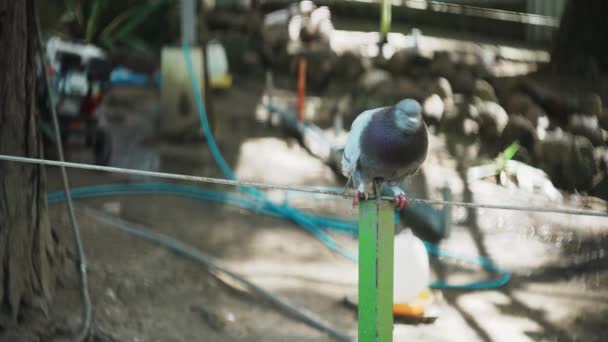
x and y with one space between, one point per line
352 150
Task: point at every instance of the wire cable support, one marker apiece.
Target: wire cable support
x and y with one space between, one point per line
314 190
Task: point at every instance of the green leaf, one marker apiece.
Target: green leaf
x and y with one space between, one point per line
75 9
139 16
107 44
67 17
106 33
510 151
122 27
96 8
138 45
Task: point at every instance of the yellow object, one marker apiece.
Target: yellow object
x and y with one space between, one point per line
222 82
416 308
217 65
179 112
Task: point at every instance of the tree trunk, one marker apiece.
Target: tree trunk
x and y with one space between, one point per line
580 45
27 247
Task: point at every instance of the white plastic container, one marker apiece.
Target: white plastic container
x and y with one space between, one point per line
411 268
217 64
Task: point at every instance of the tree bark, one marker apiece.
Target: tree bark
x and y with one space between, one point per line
580 44
27 247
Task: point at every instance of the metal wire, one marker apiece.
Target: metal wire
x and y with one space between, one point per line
82 262
457 9
202 179
484 12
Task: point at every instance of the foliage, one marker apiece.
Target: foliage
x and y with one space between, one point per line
506 155
114 24
510 151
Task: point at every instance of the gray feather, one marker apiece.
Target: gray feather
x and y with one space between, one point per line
388 143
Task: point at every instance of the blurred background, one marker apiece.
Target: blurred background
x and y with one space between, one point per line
513 93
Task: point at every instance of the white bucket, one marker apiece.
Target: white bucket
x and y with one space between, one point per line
411 268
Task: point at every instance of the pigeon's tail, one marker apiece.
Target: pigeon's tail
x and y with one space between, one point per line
348 183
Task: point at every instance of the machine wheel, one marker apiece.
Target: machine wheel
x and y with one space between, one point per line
49 148
102 148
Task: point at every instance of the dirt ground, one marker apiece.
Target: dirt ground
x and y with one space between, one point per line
142 292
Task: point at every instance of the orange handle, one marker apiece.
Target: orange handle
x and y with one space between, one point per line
301 87
408 310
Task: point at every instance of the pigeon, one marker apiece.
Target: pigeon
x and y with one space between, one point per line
385 145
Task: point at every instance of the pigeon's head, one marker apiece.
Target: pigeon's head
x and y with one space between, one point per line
408 114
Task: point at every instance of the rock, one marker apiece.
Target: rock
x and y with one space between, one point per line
462 80
588 127
486 61
385 94
441 86
505 87
603 119
468 110
320 61
349 67
213 318
460 121
521 129
590 103
399 61
432 109
372 78
484 91
533 180
600 188
442 64
112 207
523 155
418 67
317 25
520 103
492 119
601 157
556 104
376 89
470 127
568 159
275 28
406 87
542 126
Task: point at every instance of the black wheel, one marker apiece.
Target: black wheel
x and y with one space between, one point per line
90 134
49 148
102 149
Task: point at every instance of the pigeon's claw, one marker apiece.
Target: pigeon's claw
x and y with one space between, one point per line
401 201
359 195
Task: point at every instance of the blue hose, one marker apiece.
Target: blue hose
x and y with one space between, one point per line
285 211
257 201
335 224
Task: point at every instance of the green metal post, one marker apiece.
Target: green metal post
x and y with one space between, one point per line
385 19
376 237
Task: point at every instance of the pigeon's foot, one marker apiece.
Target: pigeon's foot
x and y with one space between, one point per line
401 201
359 195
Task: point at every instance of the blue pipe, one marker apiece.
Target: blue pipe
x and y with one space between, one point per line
334 224
258 202
284 211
